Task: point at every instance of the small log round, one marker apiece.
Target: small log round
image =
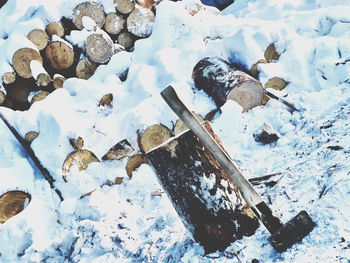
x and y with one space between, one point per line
271 53
99 47
29 137
124 6
39 73
21 61
81 157
114 23
85 68
39 96
8 77
140 22
58 81
90 9
222 81
55 28
60 55
126 39
135 162
119 151
12 203
39 38
106 100
2 97
153 136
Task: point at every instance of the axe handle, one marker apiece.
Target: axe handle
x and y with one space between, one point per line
249 194
32 156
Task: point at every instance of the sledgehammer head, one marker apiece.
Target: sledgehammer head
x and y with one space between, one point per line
292 232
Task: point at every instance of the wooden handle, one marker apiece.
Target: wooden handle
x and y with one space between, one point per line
249 194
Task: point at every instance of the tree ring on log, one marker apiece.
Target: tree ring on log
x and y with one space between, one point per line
21 61
85 68
9 77
60 55
124 6
90 9
140 22
153 136
55 28
12 203
114 23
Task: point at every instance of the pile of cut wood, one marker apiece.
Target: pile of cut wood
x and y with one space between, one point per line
46 57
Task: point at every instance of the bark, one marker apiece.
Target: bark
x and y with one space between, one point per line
58 81
55 28
21 61
152 137
124 6
207 201
140 22
99 47
222 81
90 9
59 54
114 23
39 74
85 68
12 203
39 38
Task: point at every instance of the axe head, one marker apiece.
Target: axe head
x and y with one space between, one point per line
292 232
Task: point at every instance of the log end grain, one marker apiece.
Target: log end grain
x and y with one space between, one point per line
140 22
90 9
55 28
85 68
126 39
99 48
21 61
114 23
124 6
153 136
9 77
39 38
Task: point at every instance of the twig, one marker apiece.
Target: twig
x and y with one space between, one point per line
273 96
263 178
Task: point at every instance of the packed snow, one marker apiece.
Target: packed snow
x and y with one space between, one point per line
309 163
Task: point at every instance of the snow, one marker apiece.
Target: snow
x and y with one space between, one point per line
126 223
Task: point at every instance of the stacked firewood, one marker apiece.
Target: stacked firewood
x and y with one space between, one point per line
51 56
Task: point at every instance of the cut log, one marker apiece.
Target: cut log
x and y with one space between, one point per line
222 81
21 61
90 9
99 47
85 68
39 73
201 192
271 53
180 126
58 81
140 22
135 162
119 151
60 54
2 97
55 28
124 6
114 23
12 203
39 38
39 96
81 158
106 100
126 39
153 136
8 77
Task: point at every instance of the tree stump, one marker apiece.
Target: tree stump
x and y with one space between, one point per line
222 81
203 195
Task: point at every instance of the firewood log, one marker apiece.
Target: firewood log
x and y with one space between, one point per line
99 47
7 73
126 39
271 53
55 28
119 151
39 73
90 9
58 81
153 136
21 61
39 38
273 83
207 201
85 68
140 22
59 54
2 97
180 126
135 162
12 203
114 23
124 6
39 96
222 81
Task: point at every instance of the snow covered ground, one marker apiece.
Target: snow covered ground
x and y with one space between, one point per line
126 223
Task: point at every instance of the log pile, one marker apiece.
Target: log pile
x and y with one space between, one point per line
53 57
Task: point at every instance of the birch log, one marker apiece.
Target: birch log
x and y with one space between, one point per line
55 28
39 73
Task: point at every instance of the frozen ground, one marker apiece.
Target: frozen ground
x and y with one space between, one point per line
125 223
